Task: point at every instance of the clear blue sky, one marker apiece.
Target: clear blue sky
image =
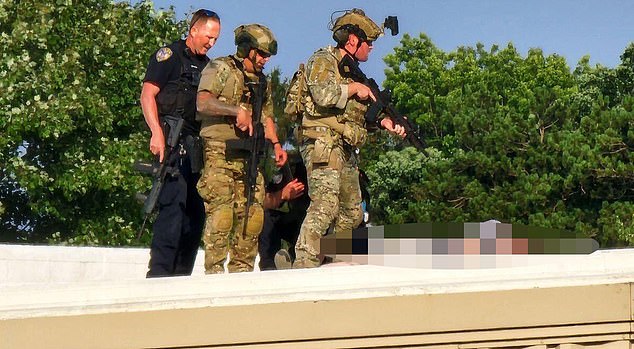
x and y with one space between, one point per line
571 28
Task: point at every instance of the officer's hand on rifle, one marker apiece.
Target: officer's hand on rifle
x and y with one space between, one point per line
244 121
388 124
360 90
157 144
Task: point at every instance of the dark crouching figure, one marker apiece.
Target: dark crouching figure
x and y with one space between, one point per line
285 208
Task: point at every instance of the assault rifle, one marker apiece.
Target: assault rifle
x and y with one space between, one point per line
255 144
349 68
160 172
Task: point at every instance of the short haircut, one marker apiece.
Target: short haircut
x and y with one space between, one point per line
203 15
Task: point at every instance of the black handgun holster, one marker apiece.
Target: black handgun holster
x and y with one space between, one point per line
194 148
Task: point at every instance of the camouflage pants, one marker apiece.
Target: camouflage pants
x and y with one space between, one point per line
222 187
335 203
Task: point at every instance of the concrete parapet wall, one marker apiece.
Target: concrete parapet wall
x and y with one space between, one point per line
570 302
25 264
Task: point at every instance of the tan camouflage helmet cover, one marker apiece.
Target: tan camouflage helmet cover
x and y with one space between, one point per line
357 17
255 36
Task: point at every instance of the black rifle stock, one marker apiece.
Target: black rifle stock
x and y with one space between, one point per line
350 68
167 167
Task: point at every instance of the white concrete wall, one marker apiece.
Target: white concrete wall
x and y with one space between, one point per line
569 302
25 264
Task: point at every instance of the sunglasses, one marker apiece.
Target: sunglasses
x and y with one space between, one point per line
203 13
263 54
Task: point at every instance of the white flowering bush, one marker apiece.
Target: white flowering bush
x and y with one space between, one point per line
70 123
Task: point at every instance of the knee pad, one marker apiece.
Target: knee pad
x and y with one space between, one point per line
357 216
223 218
256 221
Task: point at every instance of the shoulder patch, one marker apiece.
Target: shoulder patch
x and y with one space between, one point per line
277 179
163 54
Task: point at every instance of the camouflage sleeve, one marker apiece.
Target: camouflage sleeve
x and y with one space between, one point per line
214 77
325 89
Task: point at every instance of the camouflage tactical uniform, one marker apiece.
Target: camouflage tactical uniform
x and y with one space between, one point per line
332 129
222 184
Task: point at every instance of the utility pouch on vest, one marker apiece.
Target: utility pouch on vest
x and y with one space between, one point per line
296 94
323 147
354 134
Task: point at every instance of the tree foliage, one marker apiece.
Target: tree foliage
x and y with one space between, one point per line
518 139
522 139
70 76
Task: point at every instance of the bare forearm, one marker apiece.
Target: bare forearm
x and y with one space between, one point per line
208 106
270 132
273 200
150 110
150 114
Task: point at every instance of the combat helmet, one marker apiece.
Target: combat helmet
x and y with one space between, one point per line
257 36
355 22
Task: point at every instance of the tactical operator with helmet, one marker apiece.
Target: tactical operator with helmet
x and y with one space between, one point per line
168 95
224 104
333 128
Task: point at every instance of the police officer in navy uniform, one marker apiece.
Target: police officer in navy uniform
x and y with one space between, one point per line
168 94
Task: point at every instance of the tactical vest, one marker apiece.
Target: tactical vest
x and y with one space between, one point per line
354 110
234 92
348 122
178 97
238 94
296 95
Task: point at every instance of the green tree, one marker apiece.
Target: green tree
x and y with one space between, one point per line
284 123
279 87
519 139
70 76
